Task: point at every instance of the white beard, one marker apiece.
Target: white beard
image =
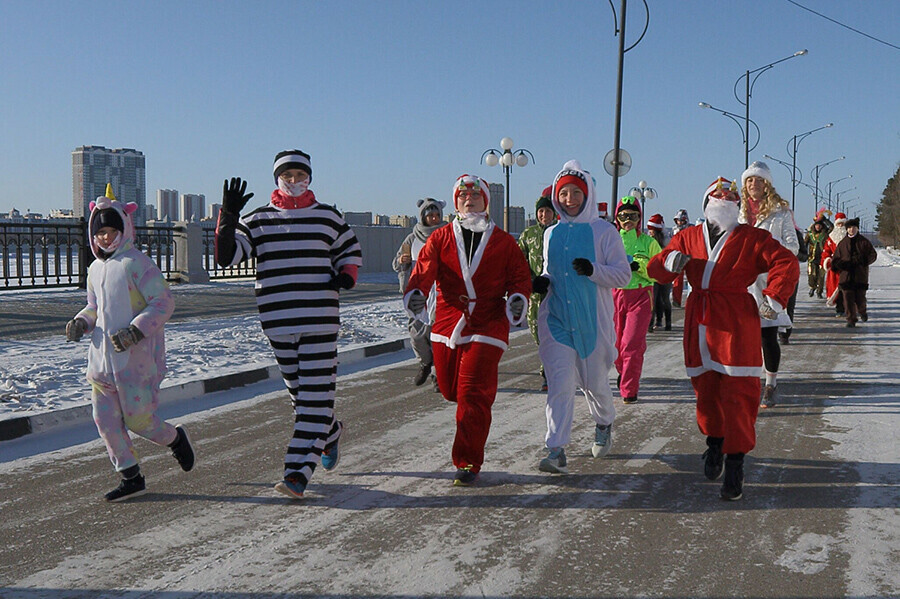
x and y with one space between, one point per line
474 221
722 213
838 233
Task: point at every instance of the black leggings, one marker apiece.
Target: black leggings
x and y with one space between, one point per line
771 349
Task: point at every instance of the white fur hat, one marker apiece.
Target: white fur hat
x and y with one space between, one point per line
757 169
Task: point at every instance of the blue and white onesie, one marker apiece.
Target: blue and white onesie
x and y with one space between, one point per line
575 321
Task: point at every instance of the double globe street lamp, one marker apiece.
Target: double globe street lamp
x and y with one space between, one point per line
642 192
506 157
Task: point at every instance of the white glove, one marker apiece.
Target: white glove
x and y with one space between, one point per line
417 302
767 311
516 307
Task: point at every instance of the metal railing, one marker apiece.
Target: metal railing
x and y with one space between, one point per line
245 269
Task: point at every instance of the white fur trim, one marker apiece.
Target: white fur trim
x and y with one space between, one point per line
523 316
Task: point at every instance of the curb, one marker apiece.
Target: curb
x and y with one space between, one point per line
13 428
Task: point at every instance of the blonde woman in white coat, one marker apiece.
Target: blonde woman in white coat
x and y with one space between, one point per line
762 207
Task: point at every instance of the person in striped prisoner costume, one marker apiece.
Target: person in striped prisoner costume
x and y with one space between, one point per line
305 254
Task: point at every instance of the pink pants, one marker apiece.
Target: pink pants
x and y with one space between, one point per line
634 310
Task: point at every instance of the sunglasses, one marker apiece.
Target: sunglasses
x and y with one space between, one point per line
628 216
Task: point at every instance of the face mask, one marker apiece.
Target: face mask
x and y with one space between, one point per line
293 189
113 245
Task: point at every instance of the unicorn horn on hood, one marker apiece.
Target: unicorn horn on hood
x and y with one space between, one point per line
109 192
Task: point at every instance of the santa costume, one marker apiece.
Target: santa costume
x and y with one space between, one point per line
480 272
722 346
832 292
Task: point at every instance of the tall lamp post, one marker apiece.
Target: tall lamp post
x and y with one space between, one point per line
821 166
831 184
749 92
506 157
744 127
642 192
793 153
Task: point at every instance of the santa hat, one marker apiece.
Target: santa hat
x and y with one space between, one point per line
292 159
656 221
723 184
757 169
472 182
840 218
603 209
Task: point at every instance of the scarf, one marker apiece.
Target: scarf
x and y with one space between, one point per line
286 202
422 231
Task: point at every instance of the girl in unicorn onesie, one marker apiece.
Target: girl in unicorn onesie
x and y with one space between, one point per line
584 260
128 304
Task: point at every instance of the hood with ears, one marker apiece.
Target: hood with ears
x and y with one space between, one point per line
430 205
589 208
125 211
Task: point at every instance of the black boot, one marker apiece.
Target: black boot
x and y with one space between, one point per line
733 485
713 459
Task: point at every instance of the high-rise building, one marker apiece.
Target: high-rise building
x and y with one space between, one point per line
167 204
95 166
212 211
193 207
498 203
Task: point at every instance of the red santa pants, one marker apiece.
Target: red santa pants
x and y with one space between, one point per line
467 375
727 407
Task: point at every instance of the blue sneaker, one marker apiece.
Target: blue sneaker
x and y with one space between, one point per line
332 455
602 441
555 462
293 488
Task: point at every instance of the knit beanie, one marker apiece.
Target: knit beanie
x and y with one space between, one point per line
574 179
757 169
292 159
544 201
109 217
853 222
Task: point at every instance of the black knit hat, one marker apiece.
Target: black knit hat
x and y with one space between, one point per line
109 217
292 159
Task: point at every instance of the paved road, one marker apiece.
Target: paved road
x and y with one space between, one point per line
819 517
29 319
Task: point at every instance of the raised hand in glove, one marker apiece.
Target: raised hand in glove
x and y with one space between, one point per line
516 307
234 197
540 284
680 261
125 338
342 281
767 311
417 302
583 267
75 329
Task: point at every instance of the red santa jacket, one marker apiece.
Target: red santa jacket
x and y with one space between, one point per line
471 303
721 319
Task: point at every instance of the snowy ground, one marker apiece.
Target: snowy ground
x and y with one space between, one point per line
47 374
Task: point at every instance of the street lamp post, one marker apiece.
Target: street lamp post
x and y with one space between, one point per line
821 166
642 192
745 131
749 92
506 157
831 184
797 139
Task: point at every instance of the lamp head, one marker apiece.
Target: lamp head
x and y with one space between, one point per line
506 143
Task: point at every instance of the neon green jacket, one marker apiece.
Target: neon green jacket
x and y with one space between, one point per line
640 248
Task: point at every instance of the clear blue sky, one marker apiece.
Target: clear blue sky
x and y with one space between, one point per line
394 100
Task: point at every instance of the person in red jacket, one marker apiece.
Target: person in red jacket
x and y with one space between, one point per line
833 295
483 284
722 346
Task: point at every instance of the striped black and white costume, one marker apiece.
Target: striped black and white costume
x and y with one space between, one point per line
298 252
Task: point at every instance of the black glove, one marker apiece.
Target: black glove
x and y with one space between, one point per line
75 329
583 266
516 307
540 284
233 197
417 302
634 266
126 338
342 281
225 246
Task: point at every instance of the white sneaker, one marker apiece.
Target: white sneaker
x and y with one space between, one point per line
555 462
602 441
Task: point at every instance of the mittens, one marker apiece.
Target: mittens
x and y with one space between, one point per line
125 338
417 302
583 267
516 307
680 261
342 281
540 284
75 329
